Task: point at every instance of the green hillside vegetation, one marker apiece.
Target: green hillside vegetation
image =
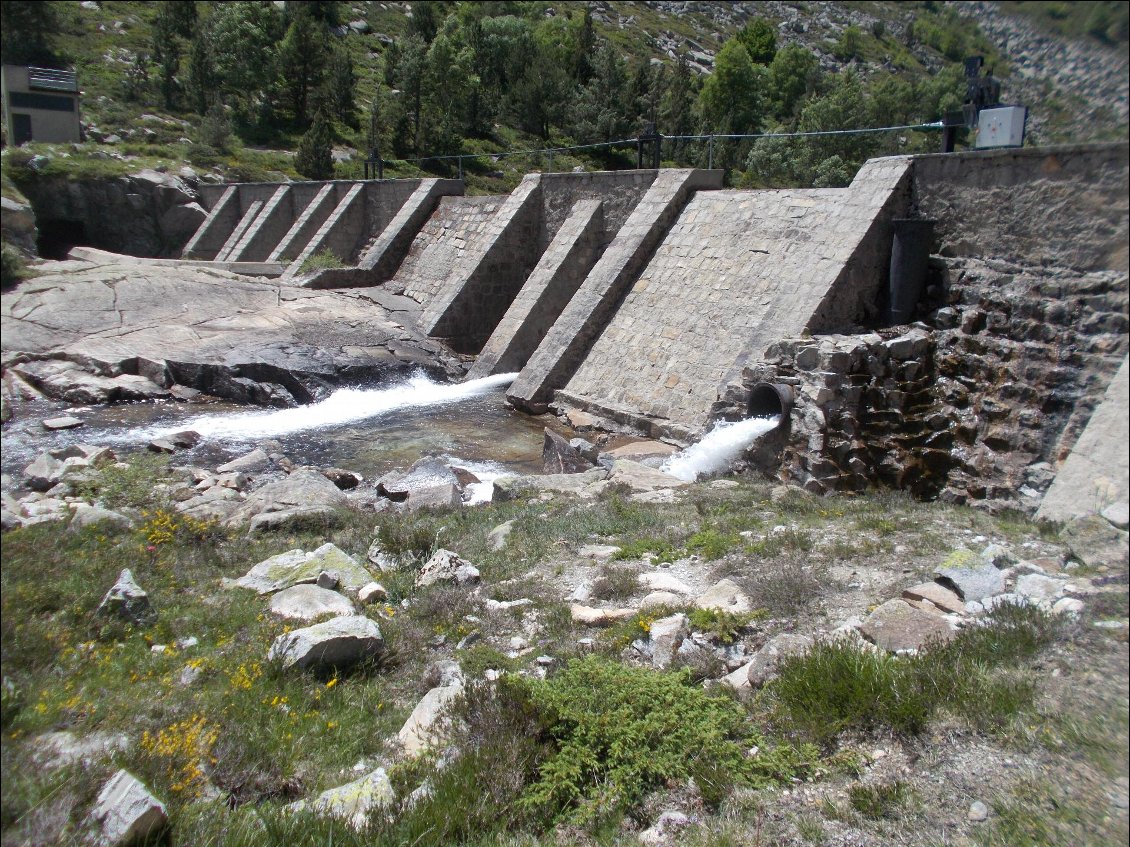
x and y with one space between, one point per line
239 86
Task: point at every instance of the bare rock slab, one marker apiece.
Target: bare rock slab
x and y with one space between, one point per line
896 626
335 644
302 494
307 602
1094 541
972 583
592 616
66 422
666 636
126 813
445 566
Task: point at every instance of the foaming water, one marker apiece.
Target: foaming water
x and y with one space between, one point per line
718 448
346 405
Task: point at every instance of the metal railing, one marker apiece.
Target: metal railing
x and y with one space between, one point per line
49 79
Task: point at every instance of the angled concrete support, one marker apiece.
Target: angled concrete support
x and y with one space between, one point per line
245 223
384 255
273 221
490 274
590 309
340 232
305 225
212 234
562 269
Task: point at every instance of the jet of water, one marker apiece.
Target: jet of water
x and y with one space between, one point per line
718 448
345 405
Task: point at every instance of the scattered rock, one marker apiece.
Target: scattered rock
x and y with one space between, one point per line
59 749
430 720
738 679
126 813
43 473
1094 541
666 635
435 497
942 597
659 581
978 811
445 566
372 592
1117 514
665 830
127 600
1069 606
307 602
302 495
640 477
334 644
343 479
724 596
86 515
639 451
1037 587
598 551
256 460
355 802
296 567
598 617
897 626
972 583
62 423
584 485
765 661
498 536
659 599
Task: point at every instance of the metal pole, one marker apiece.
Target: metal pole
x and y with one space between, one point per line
550 151
710 153
460 167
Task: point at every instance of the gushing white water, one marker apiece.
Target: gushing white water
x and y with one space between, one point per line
345 405
718 448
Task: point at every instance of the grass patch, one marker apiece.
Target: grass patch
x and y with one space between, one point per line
837 686
321 261
883 801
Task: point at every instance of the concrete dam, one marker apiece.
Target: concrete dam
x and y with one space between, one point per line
657 299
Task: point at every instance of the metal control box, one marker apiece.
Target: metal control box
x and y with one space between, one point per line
1002 126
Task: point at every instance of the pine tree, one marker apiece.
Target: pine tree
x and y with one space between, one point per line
315 151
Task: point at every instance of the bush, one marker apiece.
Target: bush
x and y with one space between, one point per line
324 260
12 267
618 731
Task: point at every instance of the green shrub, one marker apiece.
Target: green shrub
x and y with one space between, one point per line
879 801
713 544
618 732
324 260
13 268
722 626
661 548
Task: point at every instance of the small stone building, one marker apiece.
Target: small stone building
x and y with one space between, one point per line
40 104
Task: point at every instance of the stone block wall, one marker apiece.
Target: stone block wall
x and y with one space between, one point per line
738 270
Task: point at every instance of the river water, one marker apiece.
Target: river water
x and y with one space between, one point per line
367 430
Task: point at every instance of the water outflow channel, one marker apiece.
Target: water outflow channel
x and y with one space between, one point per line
368 430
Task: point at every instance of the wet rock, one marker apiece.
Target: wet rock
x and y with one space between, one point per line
766 660
897 626
128 601
558 457
426 473
301 496
944 598
296 567
641 451
725 596
430 721
183 440
125 813
591 616
445 566
335 644
307 602
62 423
353 803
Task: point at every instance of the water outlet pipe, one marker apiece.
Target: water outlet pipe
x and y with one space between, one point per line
768 399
